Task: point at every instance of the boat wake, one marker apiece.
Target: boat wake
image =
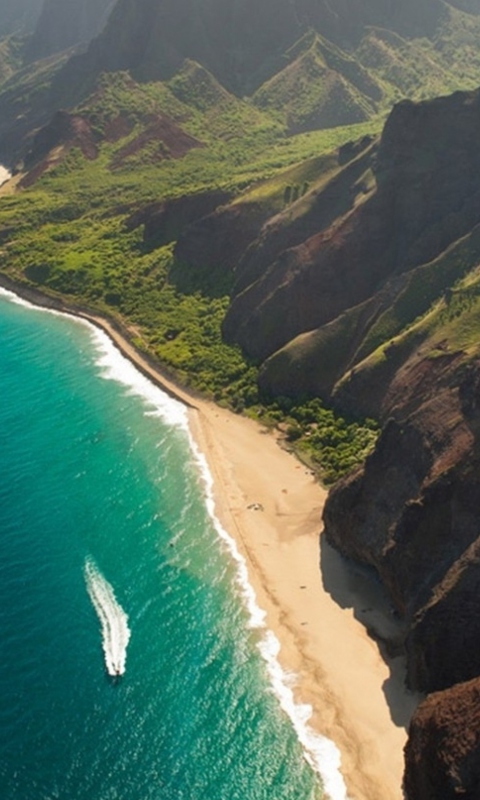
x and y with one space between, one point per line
113 619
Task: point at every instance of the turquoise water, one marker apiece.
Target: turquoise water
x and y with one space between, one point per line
111 562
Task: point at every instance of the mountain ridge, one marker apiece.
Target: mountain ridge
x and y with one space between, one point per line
193 187
359 60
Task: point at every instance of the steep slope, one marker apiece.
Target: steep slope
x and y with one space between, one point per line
246 44
302 62
25 103
369 283
11 56
19 16
151 40
320 88
64 23
397 206
443 752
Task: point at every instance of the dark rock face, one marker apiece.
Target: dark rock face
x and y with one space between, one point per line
241 43
19 15
442 755
164 222
425 198
217 238
283 233
412 512
63 23
442 646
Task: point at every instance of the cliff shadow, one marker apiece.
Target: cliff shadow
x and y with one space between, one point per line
354 586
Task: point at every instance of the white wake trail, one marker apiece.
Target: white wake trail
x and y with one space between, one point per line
113 619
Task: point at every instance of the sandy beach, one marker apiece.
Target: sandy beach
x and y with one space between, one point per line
312 599
318 607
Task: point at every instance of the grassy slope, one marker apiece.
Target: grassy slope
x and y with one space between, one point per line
452 321
323 85
67 232
11 53
320 87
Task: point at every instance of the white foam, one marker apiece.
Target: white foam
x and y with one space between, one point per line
117 367
113 619
321 753
20 301
15 298
256 614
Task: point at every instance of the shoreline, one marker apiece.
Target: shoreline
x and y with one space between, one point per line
311 597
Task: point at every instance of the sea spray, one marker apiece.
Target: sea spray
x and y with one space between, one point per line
113 619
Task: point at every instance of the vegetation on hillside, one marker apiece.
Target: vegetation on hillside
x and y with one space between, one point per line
68 231
67 234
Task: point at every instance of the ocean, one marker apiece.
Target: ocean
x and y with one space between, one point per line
134 661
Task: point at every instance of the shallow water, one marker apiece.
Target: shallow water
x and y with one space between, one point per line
111 562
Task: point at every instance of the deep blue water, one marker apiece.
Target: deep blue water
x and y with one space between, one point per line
97 469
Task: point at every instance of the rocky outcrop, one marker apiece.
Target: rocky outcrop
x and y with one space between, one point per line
442 755
52 142
442 646
412 513
164 222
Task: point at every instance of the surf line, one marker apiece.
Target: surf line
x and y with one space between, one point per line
113 619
